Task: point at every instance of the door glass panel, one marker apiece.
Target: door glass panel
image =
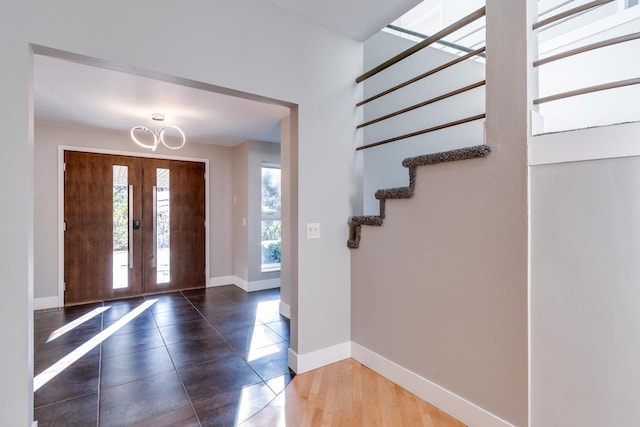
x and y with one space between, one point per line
162 227
120 227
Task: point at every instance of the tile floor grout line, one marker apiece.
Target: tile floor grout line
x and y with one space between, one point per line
184 388
262 380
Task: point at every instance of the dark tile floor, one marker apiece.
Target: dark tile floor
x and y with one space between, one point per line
207 357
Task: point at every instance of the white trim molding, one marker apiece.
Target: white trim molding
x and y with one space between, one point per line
300 363
285 310
604 142
257 285
46 302
222 281
445 400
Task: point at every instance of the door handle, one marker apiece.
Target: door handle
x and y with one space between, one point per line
131 227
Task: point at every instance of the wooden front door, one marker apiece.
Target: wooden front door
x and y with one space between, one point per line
133 226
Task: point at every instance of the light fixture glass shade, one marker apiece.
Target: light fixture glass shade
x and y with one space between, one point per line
157 138
142 144
173 147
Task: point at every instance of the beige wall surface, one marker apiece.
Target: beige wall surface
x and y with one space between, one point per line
441 288
49 138
240 171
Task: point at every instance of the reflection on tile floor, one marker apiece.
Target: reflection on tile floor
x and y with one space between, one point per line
206 357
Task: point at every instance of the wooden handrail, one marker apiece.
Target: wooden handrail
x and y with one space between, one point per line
570 12
422 76
597 88
421 132
587 48
422 104
417 47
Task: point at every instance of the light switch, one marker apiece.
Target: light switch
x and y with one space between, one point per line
244 221
313 231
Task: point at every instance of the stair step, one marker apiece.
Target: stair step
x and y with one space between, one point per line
366 220
356 222
448 156
395 193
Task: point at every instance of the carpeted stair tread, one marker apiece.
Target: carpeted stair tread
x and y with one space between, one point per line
448 156
366 220
356 222
394 193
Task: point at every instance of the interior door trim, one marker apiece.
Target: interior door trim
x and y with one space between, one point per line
94 150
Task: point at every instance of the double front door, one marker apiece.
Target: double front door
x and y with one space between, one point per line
132 226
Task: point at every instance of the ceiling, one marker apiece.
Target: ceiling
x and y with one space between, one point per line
77 95
358 19
69 93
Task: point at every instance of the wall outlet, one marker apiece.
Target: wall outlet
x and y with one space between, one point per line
313 231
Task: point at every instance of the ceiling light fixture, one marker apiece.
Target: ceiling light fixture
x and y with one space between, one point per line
158 137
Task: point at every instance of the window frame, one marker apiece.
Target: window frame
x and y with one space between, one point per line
269 215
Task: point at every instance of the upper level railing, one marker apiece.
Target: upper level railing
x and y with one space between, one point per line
438 37
571 73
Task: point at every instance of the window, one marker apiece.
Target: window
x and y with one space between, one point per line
271 223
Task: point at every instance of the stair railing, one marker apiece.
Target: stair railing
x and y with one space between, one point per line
543 24
435 38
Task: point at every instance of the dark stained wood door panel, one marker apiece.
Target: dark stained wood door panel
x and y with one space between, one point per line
88 206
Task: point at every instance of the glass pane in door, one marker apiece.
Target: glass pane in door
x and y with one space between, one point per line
120 227
162 227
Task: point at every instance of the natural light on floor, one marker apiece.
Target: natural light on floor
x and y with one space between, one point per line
62 364
79 321
259 343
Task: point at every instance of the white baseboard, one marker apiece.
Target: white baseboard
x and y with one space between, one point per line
45 302
258 285
316 359
454 405
285 310
261 285
222 281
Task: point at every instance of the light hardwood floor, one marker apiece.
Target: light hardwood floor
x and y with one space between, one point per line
348 394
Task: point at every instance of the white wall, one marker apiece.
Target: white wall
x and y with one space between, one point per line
16 234
49 138
383 164
246 45
585 298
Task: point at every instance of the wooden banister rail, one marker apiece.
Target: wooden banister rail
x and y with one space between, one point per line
597 88
570 12
422 104
419 46
421 132
422 76
587 48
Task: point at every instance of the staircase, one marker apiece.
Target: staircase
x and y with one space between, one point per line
356 222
